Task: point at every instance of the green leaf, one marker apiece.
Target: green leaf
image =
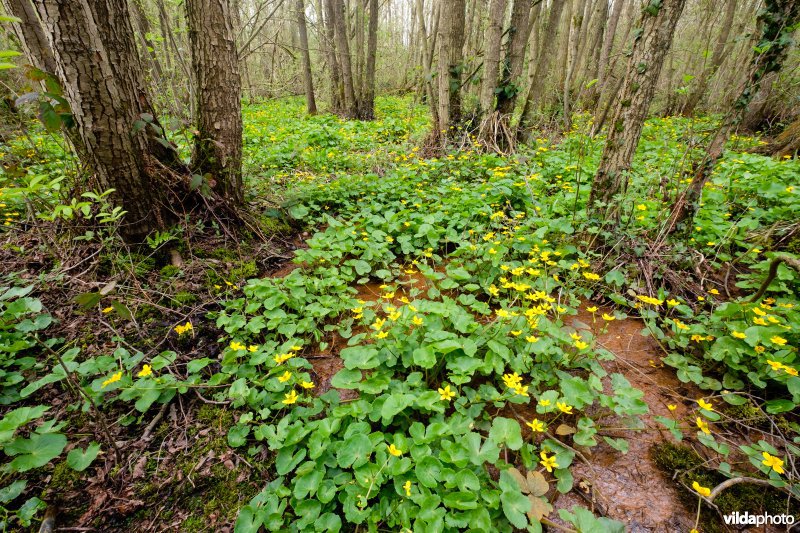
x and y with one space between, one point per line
428 471
354 451
79 459
424 357
10 492
364 357
515 504
506 431
34 452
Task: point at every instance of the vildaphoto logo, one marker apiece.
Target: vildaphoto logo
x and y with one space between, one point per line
747 519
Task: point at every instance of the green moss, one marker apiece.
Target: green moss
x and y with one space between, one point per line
245 270
747 413
170 271
63 476
683 460
184 298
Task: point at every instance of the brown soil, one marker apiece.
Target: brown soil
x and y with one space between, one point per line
630 487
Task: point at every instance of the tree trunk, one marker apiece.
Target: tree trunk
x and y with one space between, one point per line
717 57
428 61
608 43
311 103
337 87
96 58
644 67
31 35
572 52
768 57
451 64
215 61
367 106
343 50
538 73
491 59
516 43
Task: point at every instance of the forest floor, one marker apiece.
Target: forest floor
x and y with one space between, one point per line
428 343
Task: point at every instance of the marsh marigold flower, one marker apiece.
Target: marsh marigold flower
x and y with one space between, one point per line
701 490
113 379
775 463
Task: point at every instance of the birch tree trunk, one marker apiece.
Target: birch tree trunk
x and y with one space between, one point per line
644 67
215 61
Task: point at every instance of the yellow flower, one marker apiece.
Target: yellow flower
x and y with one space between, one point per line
512 380
282 358
564 407
775 365
780 341
679 324
581 345
531 338
592 309
713 291
382 335
113 379
775 463
283 378
673 302
417 321
738 334
516 332
760 321
649 300
290 398
296 348
146 370
591 276
702 491
521 390
307 384
672 407
536 425
181 329
237 346
544 403
394 451
548 462
702 425
446 394
407 487
705 405
378 324
107 310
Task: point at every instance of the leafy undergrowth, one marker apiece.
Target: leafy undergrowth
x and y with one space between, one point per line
457 301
